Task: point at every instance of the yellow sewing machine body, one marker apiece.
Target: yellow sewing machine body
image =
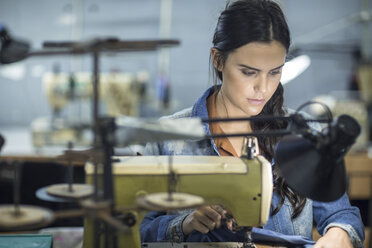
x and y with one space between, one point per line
243 186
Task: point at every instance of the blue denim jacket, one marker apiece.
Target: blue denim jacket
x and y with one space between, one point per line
161 227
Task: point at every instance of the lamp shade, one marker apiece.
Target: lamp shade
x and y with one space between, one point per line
308 171
11 50
313 164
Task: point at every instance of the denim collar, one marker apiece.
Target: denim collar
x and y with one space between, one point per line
200 109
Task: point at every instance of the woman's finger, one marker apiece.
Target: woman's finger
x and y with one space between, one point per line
203 218
198 226
213 215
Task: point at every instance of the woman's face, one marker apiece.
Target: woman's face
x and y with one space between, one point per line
250 76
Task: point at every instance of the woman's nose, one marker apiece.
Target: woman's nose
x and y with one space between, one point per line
261 84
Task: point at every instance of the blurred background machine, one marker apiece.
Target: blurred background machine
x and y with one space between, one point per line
365 87
121 94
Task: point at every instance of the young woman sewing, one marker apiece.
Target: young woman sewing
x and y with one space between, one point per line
250 45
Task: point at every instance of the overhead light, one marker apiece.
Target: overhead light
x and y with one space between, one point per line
294 68
67 20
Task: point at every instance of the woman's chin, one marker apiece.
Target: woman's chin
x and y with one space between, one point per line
253 111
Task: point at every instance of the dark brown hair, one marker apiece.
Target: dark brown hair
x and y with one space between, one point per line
242 22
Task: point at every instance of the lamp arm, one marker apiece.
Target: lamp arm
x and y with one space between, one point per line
297 125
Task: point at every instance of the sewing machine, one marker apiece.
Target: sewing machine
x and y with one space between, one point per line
121 94
244 186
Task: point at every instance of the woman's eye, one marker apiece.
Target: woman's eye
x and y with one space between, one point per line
249 73
275 72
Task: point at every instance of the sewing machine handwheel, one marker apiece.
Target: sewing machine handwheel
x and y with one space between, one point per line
79 190
28 217
166 201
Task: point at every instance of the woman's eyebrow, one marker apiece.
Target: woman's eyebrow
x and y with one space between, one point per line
255 69
276 68
249 67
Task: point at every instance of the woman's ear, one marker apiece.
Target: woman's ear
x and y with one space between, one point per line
216 58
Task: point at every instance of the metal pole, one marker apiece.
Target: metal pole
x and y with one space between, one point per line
164 33
165 26
97 225
366 34
102 137
107 134
17 187
96 140
70 170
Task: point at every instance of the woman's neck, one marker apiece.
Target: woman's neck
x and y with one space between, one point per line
224 109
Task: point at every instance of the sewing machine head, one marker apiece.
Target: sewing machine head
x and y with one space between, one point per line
244 186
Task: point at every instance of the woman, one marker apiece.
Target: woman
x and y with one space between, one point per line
250 44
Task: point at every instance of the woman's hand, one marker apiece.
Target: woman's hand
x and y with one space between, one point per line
204 219
334 237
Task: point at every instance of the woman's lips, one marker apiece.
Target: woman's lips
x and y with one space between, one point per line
256 101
